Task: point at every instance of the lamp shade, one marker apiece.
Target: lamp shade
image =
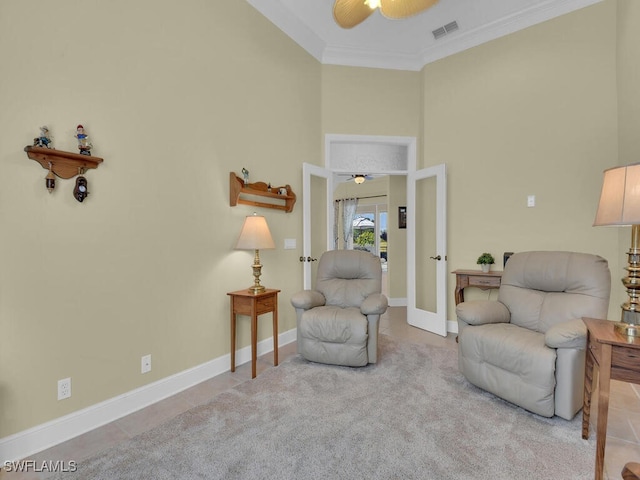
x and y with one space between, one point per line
620 197
255 234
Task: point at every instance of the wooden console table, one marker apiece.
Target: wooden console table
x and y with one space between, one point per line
244 302
609 356
475 278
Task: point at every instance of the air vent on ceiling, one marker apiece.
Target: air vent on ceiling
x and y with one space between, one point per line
442 31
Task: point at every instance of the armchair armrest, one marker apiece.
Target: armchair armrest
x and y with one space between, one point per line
375 304
479 312
307 299
569 334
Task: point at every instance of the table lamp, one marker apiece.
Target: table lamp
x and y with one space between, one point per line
620 205
255 235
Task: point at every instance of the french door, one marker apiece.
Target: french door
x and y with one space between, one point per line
427 249
426 239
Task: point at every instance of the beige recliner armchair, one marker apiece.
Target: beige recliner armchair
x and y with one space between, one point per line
338 321
528 347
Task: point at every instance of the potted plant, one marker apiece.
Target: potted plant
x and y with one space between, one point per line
485 261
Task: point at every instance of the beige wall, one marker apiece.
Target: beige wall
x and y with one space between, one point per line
628 68
369 101
628 81
533 113
174 95
177 94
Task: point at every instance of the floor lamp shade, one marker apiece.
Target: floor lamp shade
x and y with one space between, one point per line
255 235
620 205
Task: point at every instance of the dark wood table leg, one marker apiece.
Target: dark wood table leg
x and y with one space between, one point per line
604 381
275 331
233 339
254 339
589 386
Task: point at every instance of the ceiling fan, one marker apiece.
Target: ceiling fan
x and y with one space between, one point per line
349 13
356 178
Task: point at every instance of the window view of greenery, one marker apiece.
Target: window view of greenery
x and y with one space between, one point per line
367 237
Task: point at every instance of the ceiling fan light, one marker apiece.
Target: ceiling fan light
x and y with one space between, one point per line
358 179
405 8
372 4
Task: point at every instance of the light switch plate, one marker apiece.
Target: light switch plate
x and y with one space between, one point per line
289 243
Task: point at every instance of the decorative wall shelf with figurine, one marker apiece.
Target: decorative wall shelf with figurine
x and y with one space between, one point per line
63 164
280 198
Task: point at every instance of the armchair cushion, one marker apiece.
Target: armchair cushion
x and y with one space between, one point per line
307 299
374 304
335 335
479 312
569 334
513 363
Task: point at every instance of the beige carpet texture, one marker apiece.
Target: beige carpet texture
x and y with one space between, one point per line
411 416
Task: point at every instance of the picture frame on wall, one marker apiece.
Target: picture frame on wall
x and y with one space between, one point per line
402 217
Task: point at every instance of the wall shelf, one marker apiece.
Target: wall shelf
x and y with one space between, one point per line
63 164
247 194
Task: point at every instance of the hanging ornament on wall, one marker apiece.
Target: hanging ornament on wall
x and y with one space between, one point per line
50 180
80 191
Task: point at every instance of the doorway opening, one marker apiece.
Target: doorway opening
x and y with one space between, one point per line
383 163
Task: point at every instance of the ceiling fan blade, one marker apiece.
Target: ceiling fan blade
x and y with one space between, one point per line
349 13
404 8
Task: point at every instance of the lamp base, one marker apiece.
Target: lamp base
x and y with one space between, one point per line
630 324
256 289
627 329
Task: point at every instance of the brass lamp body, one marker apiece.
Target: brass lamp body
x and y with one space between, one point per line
630 324
257 271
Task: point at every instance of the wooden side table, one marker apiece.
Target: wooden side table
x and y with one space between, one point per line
244 302
475 278
609 356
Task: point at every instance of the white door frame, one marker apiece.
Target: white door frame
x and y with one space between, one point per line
327 173
308 171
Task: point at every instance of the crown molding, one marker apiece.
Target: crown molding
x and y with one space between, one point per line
457 42
291 25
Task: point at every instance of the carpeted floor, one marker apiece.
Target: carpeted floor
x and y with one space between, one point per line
411 416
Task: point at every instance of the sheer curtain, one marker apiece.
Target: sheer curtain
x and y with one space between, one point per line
348 214
336 220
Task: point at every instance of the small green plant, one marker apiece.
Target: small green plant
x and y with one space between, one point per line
485 259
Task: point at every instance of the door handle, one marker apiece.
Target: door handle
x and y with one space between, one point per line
308 259
438 258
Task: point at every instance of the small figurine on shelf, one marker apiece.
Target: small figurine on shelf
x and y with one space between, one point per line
84 145
245 175
44 140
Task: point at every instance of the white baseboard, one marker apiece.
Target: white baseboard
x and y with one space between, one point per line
397 302
452 326
28 442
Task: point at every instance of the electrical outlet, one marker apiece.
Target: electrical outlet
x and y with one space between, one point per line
145 364
64 388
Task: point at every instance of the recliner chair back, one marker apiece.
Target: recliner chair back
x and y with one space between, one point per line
542 289
346 279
